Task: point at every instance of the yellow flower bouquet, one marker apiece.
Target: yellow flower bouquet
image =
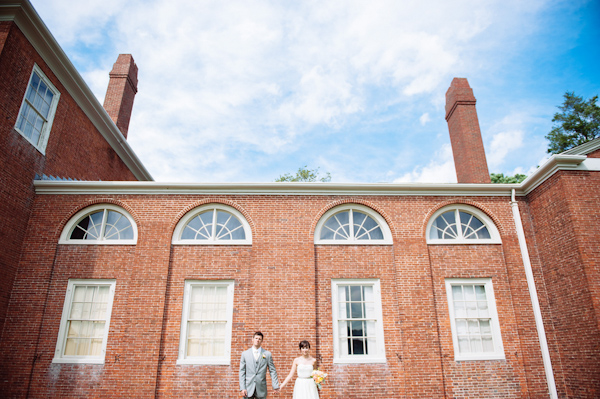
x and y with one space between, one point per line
318 377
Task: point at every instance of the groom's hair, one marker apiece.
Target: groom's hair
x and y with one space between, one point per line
258 333
304 344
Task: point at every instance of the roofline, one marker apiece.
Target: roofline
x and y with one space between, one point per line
554 164
585 148
22 13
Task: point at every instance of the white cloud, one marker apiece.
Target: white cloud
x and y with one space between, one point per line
254 78
439 170
502 144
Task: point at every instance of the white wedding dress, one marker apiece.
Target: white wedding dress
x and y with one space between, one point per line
305 387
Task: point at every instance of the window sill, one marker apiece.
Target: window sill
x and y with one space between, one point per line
369 360
78 361
205 361
489 356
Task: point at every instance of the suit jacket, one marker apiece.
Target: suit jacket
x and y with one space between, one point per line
253 374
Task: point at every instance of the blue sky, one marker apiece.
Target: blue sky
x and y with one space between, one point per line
244 91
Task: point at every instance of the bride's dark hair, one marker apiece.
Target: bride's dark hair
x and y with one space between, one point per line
304 344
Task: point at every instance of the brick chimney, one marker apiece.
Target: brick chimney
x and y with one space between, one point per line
465 135
122 88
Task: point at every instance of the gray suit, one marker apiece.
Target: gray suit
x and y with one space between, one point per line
253 374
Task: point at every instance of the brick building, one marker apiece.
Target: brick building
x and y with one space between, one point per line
117 287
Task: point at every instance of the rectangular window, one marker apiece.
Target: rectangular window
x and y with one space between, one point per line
85 321
206 322
37 110
474 320
357 322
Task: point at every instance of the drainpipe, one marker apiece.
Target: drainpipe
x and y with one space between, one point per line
539 324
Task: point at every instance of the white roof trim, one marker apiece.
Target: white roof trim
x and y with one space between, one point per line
585 148
93 187
38 34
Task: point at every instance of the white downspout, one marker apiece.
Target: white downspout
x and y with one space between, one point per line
539 324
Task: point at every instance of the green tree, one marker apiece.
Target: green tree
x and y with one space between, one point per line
304 174
579 122
500 178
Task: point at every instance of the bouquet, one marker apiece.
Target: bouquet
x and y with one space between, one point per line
318 377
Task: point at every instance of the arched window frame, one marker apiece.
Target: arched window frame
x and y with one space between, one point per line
485 219
214 206
387 233
74 221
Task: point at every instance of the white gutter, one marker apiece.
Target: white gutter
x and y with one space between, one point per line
348 189
539 323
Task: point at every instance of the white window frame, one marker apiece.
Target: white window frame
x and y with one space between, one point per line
379 356
385 229
45 133
212 241
217 360
485 219
70 226
498 353
59 356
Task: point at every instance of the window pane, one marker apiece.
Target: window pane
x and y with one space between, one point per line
367 228
357 328
463 345
457 293
444 226
485 327
358 347
488 345
469 292
471 309
357 310
337 227
476 345
355 293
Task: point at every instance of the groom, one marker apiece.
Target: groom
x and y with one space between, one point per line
253 370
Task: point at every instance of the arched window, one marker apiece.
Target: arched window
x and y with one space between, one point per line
100 224
213 224
461 224
352 225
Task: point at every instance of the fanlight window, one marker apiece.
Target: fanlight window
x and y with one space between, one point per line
461 225
102 224
213 225
352 225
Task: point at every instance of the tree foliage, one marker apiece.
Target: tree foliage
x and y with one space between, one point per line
500 178
579 122
304 175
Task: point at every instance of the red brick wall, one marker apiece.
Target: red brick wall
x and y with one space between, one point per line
75 149
595 154
565 213
282 287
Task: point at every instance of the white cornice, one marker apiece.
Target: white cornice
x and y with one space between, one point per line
347 189
554 164
40 37
584 148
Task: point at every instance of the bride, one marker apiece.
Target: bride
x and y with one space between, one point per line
305 387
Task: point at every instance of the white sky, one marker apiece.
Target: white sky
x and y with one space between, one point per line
242 91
